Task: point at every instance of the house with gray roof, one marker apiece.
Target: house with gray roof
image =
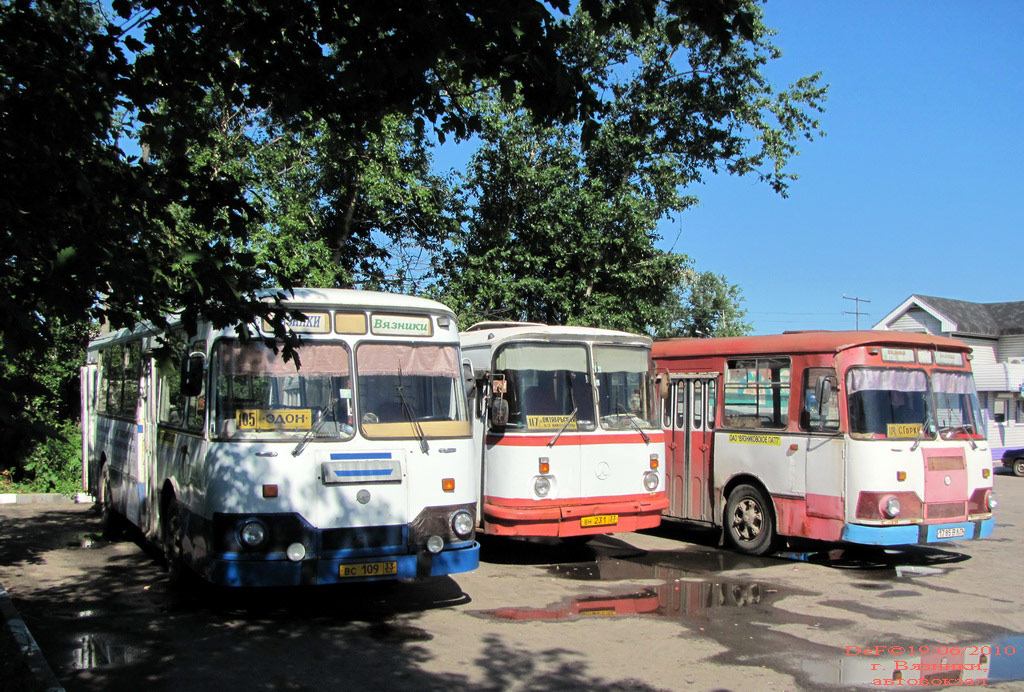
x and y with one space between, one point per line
995 331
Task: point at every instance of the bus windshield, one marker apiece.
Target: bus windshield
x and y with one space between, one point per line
886 403
410 391
624 387
259 394
956 406
548 386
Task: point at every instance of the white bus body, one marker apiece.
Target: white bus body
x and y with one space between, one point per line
357 466
581 452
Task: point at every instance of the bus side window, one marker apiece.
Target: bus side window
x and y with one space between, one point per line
681 405
698 404
815 414
712 402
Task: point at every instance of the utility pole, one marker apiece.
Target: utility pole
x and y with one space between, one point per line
857 312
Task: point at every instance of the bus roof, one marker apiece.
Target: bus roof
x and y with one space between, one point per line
801 342
493 333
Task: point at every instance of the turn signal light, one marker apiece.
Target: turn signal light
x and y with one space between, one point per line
270 491
544 465
985 473
448 485
654 462
901 475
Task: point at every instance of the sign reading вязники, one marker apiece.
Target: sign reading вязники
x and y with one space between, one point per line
401 325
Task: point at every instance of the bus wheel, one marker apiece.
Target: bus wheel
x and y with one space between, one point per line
748 521
171 535
1018 466
110 521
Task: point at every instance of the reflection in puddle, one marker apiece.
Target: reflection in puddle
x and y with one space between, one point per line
95 651
679 600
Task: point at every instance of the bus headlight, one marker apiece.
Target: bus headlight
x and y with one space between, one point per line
253 533
541 486
891 508
651 480
992 501
295 552
462 523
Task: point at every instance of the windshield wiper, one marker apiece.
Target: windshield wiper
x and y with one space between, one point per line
314 429
572 417
410 413
632 420
920 434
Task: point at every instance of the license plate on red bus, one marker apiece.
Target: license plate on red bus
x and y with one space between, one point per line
369 569
955 532
599 520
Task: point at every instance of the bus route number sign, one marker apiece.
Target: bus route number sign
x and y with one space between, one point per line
274 419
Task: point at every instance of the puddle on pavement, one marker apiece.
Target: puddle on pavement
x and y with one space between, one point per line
678 600
98 651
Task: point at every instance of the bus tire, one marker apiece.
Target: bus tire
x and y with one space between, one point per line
171 537
1018 466
111 523
749 522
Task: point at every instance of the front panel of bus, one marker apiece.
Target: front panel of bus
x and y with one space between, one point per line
580 452
355 465
918 465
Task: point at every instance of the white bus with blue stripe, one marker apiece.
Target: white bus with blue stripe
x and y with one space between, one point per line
356 464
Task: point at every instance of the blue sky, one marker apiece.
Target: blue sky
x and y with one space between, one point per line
918 185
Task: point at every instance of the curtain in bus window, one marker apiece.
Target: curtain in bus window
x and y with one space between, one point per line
424 361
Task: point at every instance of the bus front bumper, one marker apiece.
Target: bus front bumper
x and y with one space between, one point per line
917 533
231 571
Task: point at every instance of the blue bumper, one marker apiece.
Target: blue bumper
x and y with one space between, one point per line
229 570
917 533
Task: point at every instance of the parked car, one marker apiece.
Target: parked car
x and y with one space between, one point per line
1014 459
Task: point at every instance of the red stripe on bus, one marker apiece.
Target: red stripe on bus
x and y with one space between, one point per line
533 440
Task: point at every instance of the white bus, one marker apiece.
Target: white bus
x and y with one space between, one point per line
357 465
566 430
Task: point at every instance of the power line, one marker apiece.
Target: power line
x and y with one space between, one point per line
857 312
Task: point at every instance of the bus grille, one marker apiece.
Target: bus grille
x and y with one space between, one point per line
363 537
946 464
946 510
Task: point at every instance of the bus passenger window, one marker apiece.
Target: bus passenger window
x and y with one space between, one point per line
681 405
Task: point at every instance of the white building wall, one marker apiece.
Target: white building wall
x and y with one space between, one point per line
916 320
1011 347
984 352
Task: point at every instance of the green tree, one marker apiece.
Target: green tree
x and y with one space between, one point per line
563 219
704 305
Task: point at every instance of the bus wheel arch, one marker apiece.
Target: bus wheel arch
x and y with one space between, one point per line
748 519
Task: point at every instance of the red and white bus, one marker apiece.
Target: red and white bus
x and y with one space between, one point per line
566 428
866 437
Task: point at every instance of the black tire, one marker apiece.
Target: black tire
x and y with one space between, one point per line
111 522
171 538
749 521
1018 466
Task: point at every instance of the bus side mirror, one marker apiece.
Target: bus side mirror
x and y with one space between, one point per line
467 377
499 412
662 381
192 370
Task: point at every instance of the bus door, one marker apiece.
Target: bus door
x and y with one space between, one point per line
824 473
692 399
90 385
149 405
